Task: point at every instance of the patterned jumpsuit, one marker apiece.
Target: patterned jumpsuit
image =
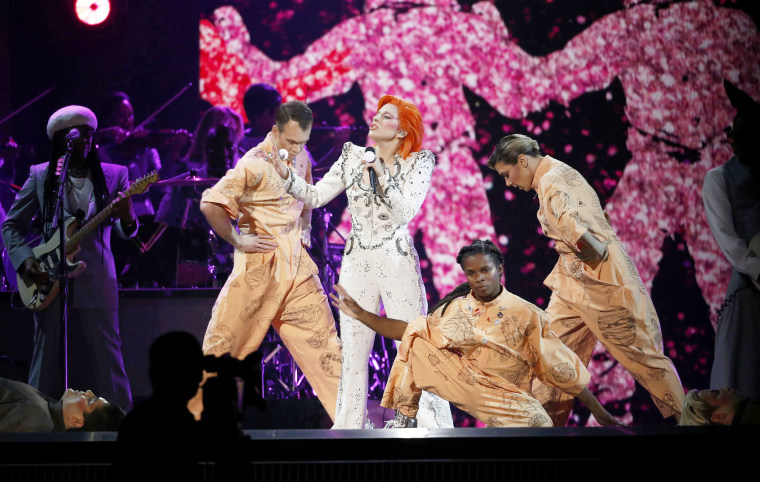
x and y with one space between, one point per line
608 303
482 357
282 288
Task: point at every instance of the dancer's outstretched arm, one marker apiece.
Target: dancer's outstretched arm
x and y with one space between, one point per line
386 327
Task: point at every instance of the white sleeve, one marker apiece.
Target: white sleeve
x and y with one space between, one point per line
324 190
720 219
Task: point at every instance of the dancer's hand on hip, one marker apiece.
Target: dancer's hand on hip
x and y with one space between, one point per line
256 243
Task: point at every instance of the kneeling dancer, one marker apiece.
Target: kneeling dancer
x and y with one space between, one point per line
479 348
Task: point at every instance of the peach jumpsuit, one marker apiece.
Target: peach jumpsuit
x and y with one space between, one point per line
482 358
282 288
609 303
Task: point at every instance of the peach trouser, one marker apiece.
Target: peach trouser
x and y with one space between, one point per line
608 302
296 308
579 327
489 403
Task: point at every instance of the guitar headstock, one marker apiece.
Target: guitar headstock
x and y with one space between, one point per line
141 185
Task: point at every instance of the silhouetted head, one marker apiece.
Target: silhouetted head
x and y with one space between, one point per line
743 134
175 365
260 103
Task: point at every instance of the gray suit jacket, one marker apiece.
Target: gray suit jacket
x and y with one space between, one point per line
96 287
25 409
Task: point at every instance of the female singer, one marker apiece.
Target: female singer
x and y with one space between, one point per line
379 262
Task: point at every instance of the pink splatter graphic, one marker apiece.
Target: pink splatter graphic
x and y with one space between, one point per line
223 78
671 62
424 55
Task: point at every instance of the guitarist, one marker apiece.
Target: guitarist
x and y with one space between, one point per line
94 343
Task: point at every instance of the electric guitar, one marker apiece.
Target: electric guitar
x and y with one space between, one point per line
39 296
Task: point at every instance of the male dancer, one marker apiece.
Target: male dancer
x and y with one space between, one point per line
273 280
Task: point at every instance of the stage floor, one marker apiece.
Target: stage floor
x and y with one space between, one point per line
459 454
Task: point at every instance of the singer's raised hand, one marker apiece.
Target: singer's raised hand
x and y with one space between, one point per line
278 164
376 168
376 165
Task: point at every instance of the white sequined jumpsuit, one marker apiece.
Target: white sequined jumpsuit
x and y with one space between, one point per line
379 264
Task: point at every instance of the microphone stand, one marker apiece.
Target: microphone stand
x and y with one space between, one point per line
62 276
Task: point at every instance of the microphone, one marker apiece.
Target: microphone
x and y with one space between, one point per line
369 158
73 134
283 153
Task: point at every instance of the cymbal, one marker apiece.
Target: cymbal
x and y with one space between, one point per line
189 181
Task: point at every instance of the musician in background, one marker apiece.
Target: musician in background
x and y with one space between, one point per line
731 195
94 343
120 143
8 155
197 158
212 153
260 102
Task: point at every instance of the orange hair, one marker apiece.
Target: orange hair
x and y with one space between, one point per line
410 121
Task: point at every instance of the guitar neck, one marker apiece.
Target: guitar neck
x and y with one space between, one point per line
138 187
81 233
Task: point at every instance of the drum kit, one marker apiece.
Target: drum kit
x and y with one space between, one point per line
202 260
175 249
